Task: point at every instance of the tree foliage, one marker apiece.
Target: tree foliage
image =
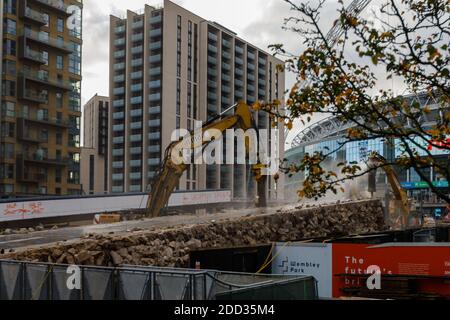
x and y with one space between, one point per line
410 44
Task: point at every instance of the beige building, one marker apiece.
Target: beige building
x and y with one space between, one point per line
40 98
169 68
94 153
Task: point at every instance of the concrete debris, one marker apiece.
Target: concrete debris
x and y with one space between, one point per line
171 247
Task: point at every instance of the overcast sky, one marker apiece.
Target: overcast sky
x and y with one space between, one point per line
257 21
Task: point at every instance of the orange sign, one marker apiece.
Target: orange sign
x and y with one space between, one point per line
412 260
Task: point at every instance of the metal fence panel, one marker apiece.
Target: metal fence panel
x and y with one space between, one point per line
172 286
98 284
60 290
42 281
37 281
10 281
134 285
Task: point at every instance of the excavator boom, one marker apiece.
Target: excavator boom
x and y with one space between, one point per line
170 172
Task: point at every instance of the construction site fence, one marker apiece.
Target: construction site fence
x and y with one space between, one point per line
42 281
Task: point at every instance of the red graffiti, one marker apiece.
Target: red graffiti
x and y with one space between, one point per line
31 208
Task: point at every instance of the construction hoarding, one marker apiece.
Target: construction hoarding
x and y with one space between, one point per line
338 266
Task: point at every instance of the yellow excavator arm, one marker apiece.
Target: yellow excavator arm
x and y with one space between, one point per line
170 172
399 192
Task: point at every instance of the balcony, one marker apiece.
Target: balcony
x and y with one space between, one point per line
212 84
118 164
154 84
137 37
43 78
138 24
120 29
156 19
155 45
119 78
32 178
29 54
136 113
135 125
239 72
118 140
48 41
118 152
154 97
154 149
119 42
39 158
119 103
32 95
136 75
154 136
119 91
135 176
212 49
154 161
155 58
212 36
136 50
135 163
155 71
32 16
54 5
136 100
154 110
155 32
226 43
136 87
135 151
119 54
118 115
46 122
154 123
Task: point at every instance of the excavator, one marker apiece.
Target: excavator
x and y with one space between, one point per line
170 172
401 203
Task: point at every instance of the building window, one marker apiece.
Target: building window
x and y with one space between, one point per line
8 109
59 62
190 50
9 47
178 46
47 19
91 172
6 171
75 59
59 100
10 26
10 6
8 88
7 151
7 129
9 68
45 57
60 25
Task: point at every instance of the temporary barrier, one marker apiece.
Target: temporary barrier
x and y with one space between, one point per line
40 281
340 267
53 207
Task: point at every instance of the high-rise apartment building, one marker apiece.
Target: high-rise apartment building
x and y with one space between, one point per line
168 69
94 153
40 98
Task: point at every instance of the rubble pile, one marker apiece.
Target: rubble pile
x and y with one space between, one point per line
171 247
